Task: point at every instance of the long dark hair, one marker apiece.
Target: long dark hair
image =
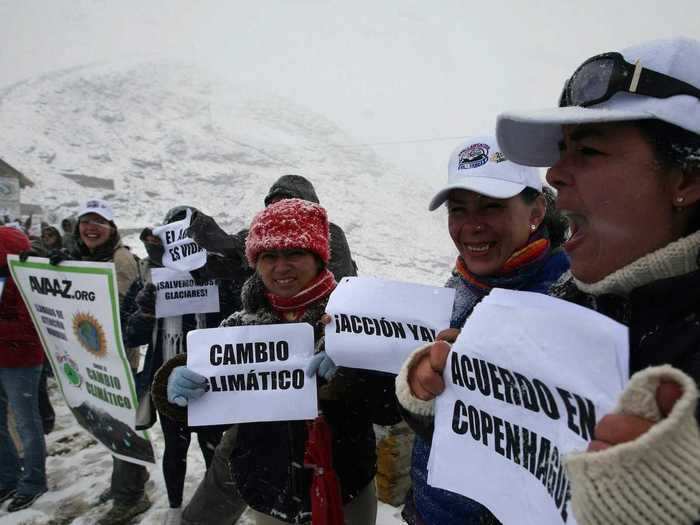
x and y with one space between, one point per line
674 147
554 221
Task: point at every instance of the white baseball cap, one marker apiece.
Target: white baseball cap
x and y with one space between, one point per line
479 165
99 207
532 138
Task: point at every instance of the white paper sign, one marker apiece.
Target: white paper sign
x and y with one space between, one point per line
75 310
256 373
377 323
181 252
526 382
178 294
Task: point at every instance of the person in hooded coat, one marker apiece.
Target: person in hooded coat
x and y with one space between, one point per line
51 238
167 337
268 467
227 260
22 480
69 240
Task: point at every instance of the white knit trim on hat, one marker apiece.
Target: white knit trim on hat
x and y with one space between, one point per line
674 259
403 389
654 479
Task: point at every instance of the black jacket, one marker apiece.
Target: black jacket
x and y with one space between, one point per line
267 459
141 329
663 319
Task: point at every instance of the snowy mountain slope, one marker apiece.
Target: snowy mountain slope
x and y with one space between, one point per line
170 134
167 134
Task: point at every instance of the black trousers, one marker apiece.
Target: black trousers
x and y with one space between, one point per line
177 441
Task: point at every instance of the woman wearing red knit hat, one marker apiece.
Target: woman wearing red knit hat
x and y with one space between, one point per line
288 245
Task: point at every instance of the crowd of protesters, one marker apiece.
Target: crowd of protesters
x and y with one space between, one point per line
621 237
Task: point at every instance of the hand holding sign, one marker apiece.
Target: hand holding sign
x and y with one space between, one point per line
425 376
615 429
517 397
185 385
181 252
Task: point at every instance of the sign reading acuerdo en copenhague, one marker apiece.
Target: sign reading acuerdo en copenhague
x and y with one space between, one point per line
75 309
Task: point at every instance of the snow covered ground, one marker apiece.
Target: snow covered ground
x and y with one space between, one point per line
167 134
79 470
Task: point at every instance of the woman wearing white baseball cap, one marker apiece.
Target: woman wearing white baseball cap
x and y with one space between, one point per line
624 154
507 234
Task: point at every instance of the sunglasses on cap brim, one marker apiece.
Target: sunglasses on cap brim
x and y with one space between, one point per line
602 76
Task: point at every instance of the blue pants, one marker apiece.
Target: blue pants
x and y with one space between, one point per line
19 388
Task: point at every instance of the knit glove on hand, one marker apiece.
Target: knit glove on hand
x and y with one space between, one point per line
146 299
23 256
654 479
184 386
322 364
209 235
56 257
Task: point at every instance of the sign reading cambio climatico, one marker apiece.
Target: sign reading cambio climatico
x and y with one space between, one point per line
255 373
526 382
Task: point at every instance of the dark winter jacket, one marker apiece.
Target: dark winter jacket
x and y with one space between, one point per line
234 266
436 506
267 459
19 343
142 329
663 319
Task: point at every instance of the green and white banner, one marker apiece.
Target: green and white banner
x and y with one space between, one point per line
75 309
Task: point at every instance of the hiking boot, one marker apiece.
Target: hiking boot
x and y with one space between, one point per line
6 494
21 501
105 496
173 517
122 513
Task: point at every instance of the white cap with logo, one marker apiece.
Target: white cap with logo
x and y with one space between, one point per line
99 207
532 137
478 165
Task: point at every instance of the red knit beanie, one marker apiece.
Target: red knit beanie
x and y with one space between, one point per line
288 224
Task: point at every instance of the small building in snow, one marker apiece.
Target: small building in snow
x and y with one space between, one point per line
11 183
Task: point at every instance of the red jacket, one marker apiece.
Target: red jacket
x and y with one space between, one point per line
19 344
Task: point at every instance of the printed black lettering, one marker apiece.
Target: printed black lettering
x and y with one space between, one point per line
546 399
215 355
570 410
459 425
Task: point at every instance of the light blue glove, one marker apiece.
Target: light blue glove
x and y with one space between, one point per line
322 365
184 385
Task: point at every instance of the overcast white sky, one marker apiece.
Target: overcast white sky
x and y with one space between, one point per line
385 71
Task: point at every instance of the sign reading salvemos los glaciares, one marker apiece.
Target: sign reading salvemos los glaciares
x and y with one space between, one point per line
526 382
181 253
255 373
178 294
377 323
75 309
